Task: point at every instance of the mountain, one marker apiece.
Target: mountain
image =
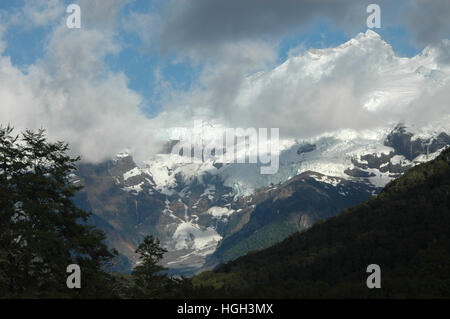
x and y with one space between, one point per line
210 211
196 213
127 204
404 230
278 211
207 213
275 212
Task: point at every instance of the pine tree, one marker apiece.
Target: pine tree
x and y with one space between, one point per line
41 229
149 282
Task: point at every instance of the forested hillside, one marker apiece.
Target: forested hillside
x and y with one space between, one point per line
405 230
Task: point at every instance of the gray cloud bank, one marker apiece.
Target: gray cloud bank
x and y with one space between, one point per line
73 94
198 26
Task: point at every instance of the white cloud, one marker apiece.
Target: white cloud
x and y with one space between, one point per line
35 13
72 94
360 84
42 12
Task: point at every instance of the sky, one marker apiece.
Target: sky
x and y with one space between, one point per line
136 67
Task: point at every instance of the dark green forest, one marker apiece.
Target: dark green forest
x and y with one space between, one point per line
42 231
405 230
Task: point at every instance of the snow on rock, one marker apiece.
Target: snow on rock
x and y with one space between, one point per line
191 236
220 212
327 179
134 172
122 154
209 192
380 179
425 158
166 168
136 189
399 160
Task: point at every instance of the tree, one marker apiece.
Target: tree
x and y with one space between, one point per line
41 229
149 282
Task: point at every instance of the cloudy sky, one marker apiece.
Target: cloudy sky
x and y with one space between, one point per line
136 67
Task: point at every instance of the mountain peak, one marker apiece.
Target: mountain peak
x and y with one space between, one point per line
372 34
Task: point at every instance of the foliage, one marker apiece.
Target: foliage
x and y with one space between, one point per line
148 280
405 230
41 230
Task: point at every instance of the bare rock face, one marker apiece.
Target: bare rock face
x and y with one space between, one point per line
407 151
306 148
404 144
273 213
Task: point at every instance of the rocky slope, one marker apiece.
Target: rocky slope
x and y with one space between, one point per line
207 212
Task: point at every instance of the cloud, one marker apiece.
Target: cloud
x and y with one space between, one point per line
145 25
3 44
42 13
200 28
428 20
443 52
233 39
203 27
100 13
360 84
35 13
71 93
217 85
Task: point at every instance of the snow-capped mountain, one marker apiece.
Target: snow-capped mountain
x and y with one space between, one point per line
197 207
208 211
361 84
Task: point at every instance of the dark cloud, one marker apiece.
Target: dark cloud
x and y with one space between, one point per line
202 26
206 23
444 52
99 13
428 20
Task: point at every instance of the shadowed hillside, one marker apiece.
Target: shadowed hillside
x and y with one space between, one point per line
405 230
